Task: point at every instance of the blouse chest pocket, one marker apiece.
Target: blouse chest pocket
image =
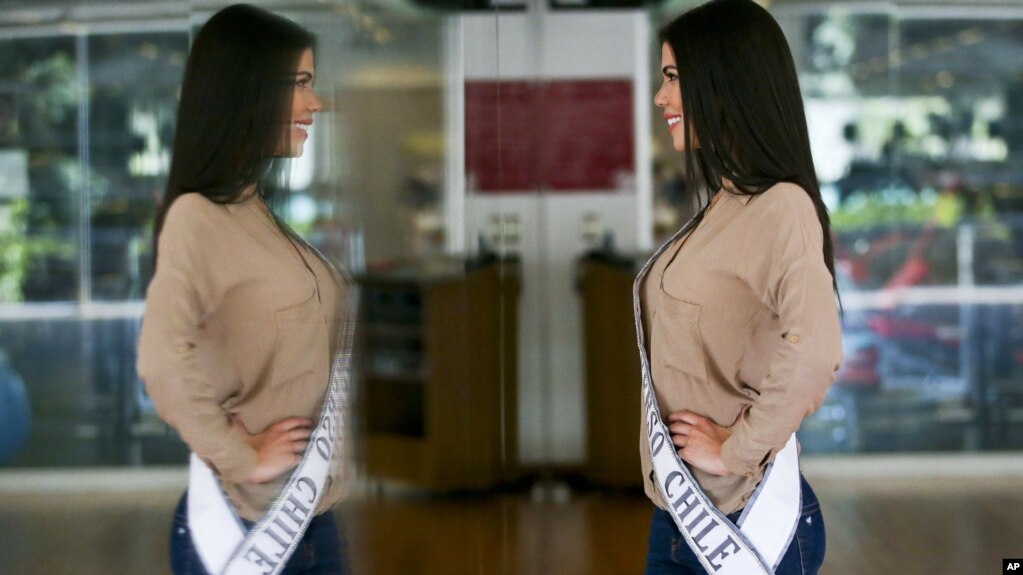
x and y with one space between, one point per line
301 347
677 342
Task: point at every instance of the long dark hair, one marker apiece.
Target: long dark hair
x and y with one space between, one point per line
235 107
741 102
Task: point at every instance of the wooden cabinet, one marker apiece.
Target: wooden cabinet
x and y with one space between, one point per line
438 373
612 370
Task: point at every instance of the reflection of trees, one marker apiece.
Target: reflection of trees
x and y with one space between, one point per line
131 83
833 46
18 251
37 231
133 79
53 95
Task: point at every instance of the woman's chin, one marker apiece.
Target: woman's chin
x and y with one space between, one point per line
295 150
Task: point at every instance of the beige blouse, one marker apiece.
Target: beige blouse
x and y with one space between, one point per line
743 328
237 325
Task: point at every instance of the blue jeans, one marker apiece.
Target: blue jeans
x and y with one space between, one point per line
669 554
321 551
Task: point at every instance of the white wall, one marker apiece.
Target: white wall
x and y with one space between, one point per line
549 236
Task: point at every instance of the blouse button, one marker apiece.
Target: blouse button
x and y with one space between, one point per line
793 339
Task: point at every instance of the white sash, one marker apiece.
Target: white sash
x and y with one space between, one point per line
768 523
217 532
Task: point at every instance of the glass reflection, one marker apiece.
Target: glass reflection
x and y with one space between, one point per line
916 129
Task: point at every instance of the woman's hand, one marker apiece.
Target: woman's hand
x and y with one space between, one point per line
278 448
699 441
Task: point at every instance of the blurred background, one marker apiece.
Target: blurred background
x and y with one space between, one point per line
494 173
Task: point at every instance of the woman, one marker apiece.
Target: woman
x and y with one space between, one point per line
242 316
737 312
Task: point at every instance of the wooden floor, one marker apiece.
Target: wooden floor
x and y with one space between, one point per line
898 527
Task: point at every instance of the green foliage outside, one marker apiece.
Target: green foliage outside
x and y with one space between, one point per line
18 250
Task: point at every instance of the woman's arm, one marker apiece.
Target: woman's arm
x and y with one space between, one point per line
183 292
793 282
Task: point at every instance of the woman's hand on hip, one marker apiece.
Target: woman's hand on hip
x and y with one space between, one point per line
698 441
278 448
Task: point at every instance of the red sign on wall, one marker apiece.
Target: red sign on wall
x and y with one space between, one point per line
561 135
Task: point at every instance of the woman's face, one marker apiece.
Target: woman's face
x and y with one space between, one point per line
303 105
669 97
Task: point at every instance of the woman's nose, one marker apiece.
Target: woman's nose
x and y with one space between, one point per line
659 98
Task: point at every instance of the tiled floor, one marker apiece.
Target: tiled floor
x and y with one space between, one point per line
896 527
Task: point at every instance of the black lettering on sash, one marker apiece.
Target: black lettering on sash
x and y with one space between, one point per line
255 555
682 514
706 530
284 544
651 423
284 528
296 511
684 505
312 487
667 482
699 519
727 548
684 499
657 443
323 448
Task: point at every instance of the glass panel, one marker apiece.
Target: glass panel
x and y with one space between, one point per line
913 125
671 204
39 154
133 79
86 125
41 359
383 159
75 361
